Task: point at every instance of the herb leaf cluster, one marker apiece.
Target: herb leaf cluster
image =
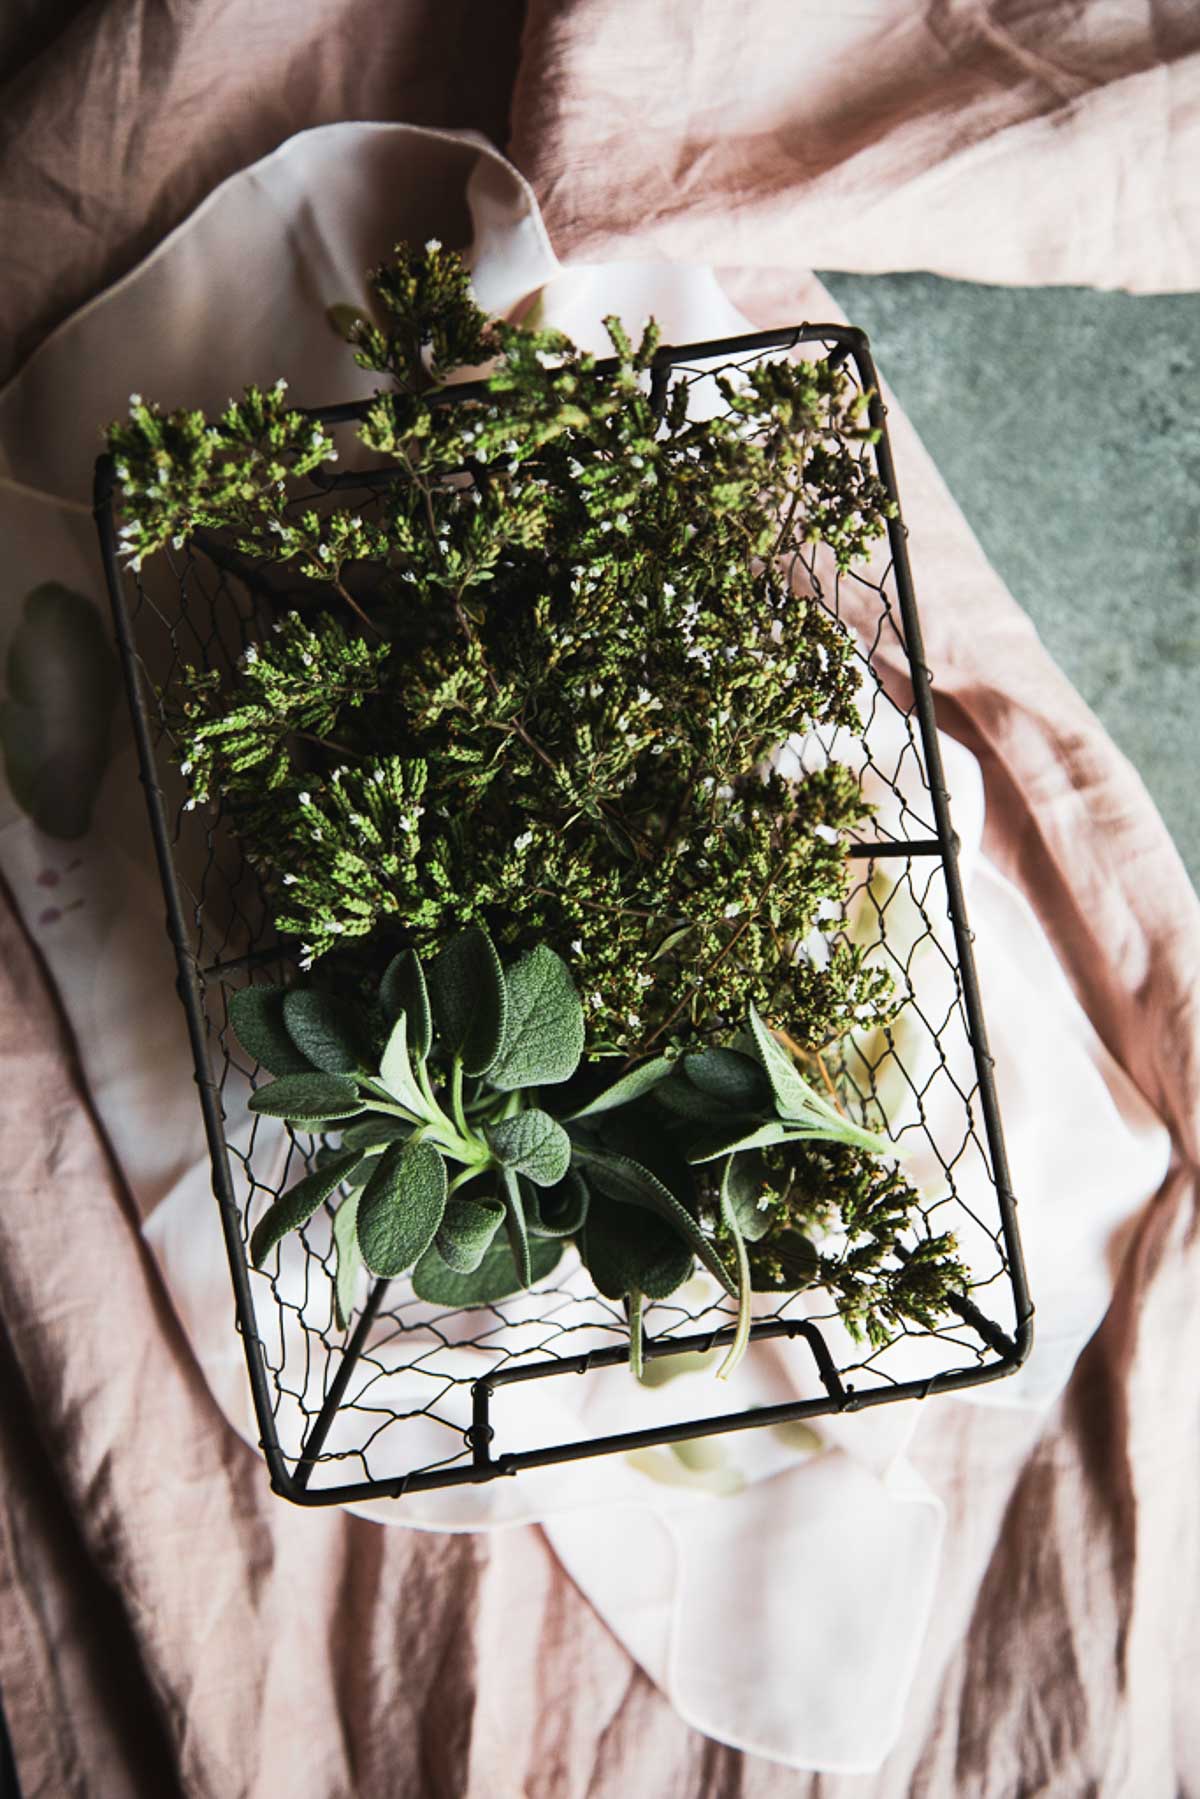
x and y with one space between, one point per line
476 1068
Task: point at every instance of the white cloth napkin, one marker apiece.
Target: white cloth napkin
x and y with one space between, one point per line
774 1583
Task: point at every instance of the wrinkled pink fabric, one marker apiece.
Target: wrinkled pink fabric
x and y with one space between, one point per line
166 1626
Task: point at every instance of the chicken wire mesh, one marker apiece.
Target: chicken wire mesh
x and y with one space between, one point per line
409 1396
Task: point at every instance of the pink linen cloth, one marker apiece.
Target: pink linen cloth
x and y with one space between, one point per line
165 1625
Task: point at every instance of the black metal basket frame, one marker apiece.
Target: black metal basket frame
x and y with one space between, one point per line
841 343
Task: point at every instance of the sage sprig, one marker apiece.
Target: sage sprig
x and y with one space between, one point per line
472 1144
435 1166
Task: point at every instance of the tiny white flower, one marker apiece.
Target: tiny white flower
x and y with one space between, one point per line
733 909
523 841
595 1001
185 768
633 1020
289 880
189 805
377 775
577 946
135 400
432 244
305 799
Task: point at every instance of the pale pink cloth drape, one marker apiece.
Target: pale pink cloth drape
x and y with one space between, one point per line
165 1625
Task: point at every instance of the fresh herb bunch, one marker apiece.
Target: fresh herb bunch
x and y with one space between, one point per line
583 650
477 1068
538 708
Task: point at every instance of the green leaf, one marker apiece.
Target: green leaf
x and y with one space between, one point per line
808 1112
557 1211
514 1224
495 1278
735 1139
622 1179
327 1030
56 719
533 1144
543 1040
744 1181
469 999
792 1092
403 989
401 1207
349 1259
466 1231
625 1251
728 1076
308 1098
256 1014
395 1071
677 1095
630 1086
376 1132
297 1205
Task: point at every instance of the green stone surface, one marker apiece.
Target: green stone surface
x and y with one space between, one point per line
1067 425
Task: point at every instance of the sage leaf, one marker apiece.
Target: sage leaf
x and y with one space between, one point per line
375 1132
297 1205
401 1207
728 1076
808 1112
557 1211
327 1030
533 1144
678 1096
543 1040
625 1251
622 1179
349 1259
630 1086
256 1014
745 1179
792 1092
466 1231
735 1139
56 719
403 989
308 1098
495 1278
469 1000
395 1071
514 1224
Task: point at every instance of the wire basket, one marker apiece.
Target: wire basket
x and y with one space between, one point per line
406 1399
